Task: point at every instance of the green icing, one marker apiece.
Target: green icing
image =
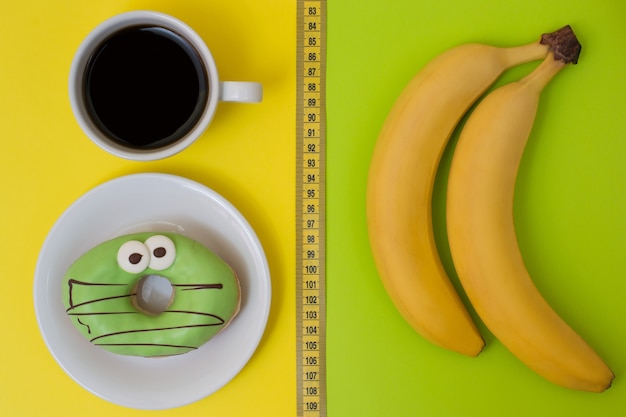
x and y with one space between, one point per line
97 294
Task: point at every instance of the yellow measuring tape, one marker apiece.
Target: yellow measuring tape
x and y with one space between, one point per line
310 209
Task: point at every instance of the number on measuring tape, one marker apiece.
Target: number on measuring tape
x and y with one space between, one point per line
310 210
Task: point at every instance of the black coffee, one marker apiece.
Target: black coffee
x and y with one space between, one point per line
145 87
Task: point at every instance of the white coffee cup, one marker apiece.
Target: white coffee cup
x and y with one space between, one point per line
98 132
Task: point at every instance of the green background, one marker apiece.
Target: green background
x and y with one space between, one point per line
569 208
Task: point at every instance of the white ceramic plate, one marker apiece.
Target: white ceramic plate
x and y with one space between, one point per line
152 202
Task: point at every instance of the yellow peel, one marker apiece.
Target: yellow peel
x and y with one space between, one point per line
400 184
484 246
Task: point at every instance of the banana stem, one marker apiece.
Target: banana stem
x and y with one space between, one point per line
564 49
516 55
542 75
562 43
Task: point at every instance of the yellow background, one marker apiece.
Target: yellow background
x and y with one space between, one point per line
46 163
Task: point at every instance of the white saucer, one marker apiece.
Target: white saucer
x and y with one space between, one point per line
152 202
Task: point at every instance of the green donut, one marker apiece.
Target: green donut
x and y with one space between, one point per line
102 294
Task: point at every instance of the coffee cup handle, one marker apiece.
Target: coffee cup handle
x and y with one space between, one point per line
241 91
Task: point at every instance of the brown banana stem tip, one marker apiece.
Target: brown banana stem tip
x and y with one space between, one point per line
563 44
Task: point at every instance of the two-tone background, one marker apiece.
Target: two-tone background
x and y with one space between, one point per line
570 199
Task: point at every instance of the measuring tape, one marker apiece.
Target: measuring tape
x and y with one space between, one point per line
310 209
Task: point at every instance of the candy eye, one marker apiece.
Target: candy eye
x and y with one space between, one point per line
162 252
133 256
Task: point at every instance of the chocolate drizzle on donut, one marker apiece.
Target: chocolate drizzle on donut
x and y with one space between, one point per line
73 282
194 287
101 340
219 322
161 329
148 344
102 313
86 325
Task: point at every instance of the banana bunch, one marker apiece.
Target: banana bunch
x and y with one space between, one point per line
479 209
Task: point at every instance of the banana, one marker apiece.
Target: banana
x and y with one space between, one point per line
482 236
400 184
